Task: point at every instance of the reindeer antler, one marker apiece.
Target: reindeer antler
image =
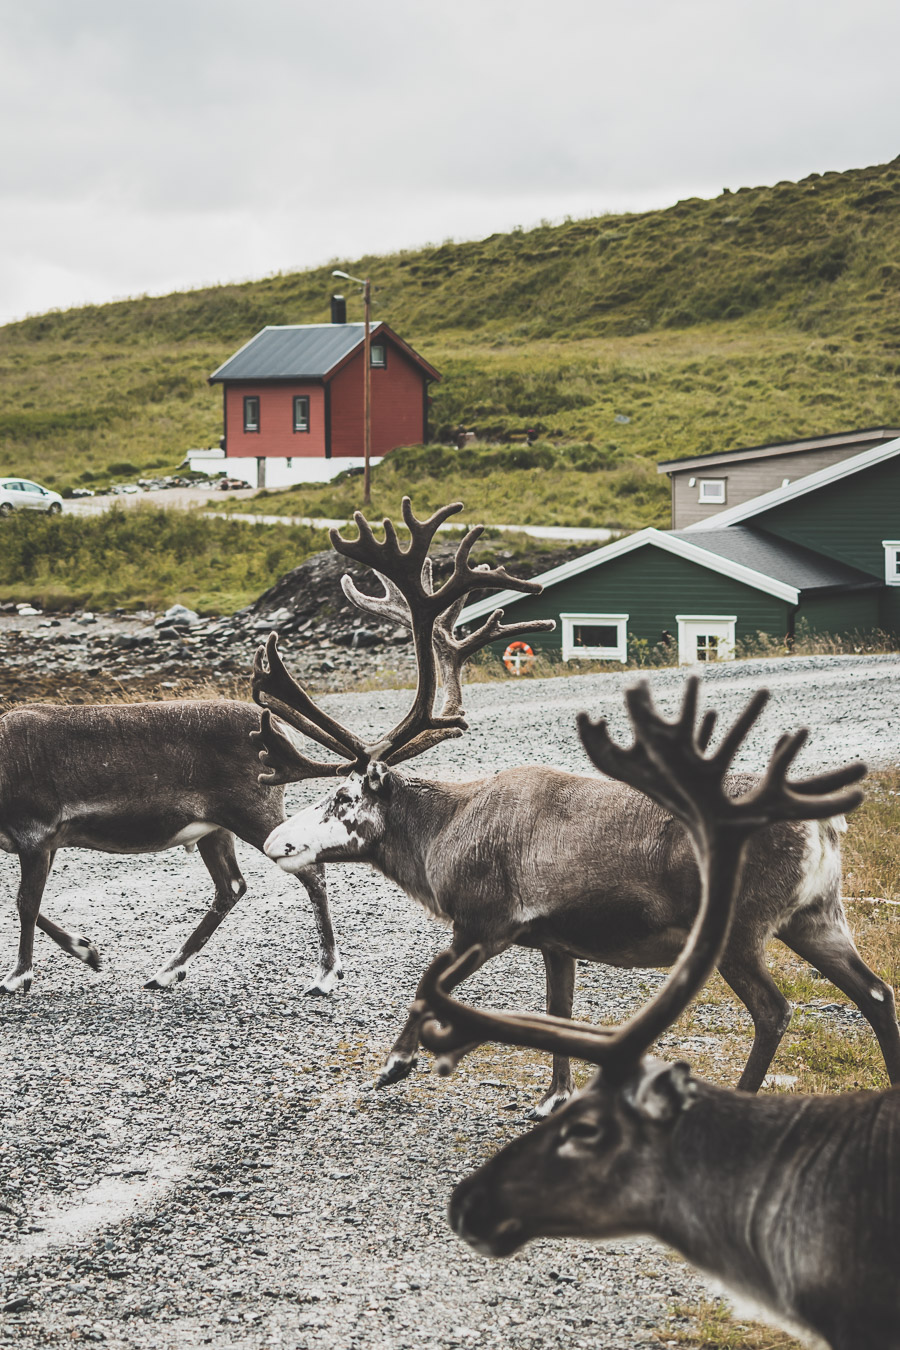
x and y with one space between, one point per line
451 653
668 763
409 597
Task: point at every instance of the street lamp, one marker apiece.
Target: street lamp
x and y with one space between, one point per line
367 384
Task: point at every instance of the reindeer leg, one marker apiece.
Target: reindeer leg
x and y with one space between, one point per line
403 1056
330 967
70 943
825 941
35 868
743 967
560 973
217 851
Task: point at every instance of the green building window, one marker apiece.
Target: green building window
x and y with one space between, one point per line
594 637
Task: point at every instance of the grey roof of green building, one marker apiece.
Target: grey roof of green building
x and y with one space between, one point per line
777 558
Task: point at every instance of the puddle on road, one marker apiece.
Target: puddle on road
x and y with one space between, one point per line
108 1202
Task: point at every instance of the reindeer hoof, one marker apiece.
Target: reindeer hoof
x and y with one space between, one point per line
546 1107
14 984
85 951
396 1069
165 979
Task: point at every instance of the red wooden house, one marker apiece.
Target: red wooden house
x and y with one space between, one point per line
293 401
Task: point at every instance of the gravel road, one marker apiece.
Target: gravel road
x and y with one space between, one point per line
210 1167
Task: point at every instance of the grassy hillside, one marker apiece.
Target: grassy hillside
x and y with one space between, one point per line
762 314
146 559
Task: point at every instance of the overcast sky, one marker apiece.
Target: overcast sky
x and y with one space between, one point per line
161 146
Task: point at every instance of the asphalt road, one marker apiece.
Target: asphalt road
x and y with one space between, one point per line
210 1167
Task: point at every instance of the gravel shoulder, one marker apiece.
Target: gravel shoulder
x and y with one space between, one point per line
210 1167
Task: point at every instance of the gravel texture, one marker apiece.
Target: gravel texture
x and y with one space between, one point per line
210 1166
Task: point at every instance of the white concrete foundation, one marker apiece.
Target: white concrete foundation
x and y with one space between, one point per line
279 472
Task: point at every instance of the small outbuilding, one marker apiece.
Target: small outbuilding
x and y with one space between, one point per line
292 404
704 485
824 551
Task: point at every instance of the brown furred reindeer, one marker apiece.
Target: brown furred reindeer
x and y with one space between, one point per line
575 866
139 778
791 1201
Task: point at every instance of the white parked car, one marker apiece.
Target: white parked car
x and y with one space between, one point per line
19 494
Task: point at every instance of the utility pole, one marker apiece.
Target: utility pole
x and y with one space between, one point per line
367 382
367 396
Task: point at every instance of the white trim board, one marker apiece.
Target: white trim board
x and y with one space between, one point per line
690 552
845 468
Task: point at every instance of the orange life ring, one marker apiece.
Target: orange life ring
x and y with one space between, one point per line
518 658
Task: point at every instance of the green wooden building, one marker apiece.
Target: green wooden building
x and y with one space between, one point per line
824 550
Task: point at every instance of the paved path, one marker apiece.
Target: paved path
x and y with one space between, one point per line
187 498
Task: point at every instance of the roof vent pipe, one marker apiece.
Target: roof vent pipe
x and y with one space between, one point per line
338 309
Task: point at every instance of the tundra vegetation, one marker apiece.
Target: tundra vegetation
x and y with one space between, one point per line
761 314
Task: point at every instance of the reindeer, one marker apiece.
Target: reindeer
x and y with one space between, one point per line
139 778
790 1201
576 867
143 777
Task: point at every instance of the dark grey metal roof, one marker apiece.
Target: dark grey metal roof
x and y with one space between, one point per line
776 558
868 436
292 351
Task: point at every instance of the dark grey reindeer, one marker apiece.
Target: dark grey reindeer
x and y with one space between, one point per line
139 778
791 1201
578 867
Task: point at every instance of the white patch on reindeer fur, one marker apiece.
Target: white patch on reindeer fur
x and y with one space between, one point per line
191 833
14 982
81 949
820 870
877 994
305 837
166 976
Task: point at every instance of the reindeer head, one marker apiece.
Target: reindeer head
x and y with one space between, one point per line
594 1170
598 1167
344 824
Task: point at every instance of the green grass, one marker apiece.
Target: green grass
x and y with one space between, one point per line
710 1325
143 558
759 315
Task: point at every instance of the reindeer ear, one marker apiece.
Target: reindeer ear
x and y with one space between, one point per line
661 1091
378 778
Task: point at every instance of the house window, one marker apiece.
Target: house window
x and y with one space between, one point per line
251 413
891 562
712 490
705 637
594 637
301 412
378 354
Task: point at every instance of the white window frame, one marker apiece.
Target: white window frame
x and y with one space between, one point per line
687 632
891 561
572 653
711 491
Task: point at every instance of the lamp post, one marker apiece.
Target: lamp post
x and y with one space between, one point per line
367 383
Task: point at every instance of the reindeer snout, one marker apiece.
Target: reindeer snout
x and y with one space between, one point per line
475 1217
286 852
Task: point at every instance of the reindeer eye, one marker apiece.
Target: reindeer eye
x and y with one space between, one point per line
587 1131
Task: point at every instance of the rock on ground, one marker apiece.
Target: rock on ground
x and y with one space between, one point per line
210 1167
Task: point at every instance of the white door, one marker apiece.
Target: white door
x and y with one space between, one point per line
32 495
705 638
